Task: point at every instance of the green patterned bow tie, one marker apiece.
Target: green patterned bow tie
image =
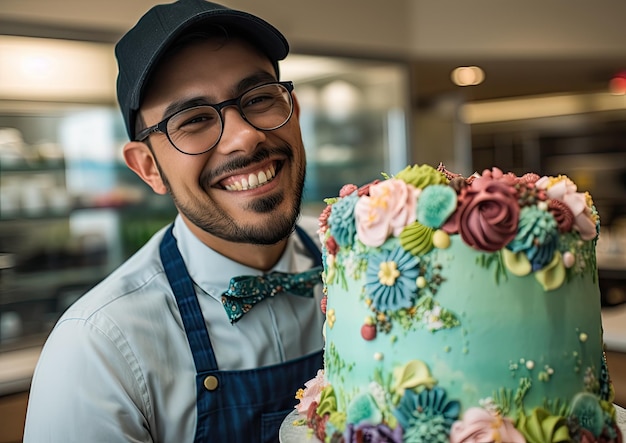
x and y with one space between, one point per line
247 290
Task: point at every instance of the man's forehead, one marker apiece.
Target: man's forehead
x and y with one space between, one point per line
202 69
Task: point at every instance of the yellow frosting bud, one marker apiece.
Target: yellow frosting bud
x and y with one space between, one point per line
441 239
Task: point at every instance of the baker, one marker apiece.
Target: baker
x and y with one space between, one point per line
207 332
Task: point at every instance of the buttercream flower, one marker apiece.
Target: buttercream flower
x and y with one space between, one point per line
311 393
390 279
587 410
564 189
497 174
363 409
417 238
426 416
389 207
529 177
487 215
341 220
331 245
432 318
365 189
562 214
422 176
436 204
380 433
537 236
317 421
347 190
587 437
323 220
482 426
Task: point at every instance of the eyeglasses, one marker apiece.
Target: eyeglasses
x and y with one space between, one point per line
198 129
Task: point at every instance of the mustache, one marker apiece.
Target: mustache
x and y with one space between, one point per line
235 164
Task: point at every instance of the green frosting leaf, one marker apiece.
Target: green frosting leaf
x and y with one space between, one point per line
328 401
412 375
516 262
541 427
337 420
553 275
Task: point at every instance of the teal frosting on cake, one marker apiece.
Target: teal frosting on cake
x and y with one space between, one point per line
461 310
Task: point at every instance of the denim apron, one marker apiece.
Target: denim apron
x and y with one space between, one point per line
235 406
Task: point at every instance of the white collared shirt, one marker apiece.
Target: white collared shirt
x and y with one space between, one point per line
117 366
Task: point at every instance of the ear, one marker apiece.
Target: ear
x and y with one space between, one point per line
296 105
140 159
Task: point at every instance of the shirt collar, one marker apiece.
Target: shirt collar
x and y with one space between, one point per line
212 271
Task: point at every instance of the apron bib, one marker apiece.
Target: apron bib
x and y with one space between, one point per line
244 406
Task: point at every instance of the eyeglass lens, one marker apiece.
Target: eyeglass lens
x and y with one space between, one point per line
198 129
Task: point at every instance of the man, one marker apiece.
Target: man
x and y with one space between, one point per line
164 350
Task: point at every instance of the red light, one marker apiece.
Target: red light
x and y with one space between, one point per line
617 85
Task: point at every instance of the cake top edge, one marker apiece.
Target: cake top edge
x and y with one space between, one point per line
536 222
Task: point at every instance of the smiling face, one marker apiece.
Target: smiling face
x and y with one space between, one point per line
248 188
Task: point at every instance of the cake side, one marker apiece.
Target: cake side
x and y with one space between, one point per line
457 307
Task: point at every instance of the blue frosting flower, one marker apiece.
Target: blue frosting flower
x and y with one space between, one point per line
427 416
341 220
537 236
390 280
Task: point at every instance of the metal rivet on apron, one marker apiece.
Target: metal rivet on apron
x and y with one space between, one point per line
210 383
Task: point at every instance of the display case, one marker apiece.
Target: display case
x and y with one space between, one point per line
70 211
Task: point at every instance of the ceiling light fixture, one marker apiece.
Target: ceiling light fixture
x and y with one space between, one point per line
467 76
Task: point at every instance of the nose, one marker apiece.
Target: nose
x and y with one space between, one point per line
238 134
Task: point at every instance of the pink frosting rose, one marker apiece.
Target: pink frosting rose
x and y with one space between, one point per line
312 392
565 191
487 215
390 206
481 426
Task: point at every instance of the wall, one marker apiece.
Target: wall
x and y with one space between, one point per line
517 28
419 28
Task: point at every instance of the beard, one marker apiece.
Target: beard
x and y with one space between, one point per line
218 223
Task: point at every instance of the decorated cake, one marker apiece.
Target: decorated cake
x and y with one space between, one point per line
461 310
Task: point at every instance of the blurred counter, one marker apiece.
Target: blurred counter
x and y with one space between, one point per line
16 369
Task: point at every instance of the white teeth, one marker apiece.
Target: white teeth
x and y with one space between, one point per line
253 180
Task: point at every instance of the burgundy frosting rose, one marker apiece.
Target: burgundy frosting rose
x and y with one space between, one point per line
365 189
487 215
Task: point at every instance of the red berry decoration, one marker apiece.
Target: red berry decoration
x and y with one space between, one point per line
323 303
368 332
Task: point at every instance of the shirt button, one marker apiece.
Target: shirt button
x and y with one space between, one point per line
210 383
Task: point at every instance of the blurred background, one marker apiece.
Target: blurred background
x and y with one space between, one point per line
525 86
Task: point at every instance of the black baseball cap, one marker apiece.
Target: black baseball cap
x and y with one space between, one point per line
141 48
